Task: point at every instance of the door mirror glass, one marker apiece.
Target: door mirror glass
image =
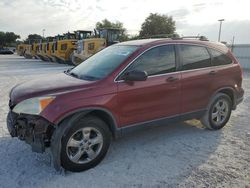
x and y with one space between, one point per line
135 75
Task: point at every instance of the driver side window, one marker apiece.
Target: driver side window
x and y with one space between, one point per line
158 60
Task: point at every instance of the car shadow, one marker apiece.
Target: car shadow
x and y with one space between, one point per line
156 156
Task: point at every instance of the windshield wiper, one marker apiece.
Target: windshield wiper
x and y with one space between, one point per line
68 70
87 77
71 73
74 75
83 77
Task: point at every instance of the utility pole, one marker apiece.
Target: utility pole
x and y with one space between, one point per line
221 20
232 49
43 32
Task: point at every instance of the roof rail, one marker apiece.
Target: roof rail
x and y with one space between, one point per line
203 38
175 37
171 36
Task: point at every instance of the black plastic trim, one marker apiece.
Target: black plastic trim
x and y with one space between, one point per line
162 121
85 111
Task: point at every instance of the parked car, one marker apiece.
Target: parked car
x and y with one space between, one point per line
122 88
6 51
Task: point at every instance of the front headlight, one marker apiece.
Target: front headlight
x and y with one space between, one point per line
33 105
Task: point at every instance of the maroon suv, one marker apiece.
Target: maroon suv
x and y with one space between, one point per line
124 87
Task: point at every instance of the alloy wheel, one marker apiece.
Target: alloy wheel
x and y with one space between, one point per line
220 112
84 145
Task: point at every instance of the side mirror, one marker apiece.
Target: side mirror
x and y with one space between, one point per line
135 75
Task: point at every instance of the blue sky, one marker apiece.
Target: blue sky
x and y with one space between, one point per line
192 17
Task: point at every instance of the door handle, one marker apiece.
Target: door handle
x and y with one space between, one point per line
212 72
172 79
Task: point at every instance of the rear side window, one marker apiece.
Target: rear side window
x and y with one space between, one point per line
194 57
159 60
219 58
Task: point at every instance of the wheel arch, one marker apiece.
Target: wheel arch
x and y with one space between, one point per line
101 113
229 91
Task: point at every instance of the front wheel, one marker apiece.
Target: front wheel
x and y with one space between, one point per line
85 144
218 112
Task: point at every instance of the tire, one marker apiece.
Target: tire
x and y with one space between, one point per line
78 153
218 112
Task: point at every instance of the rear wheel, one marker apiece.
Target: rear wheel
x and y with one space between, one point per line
218 112
85 144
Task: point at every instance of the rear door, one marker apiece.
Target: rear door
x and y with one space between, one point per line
159 95
196 76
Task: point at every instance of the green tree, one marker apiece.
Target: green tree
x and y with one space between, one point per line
33 37
134 37
106 24
157 24
6 38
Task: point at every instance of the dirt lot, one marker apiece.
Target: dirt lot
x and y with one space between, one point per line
176 155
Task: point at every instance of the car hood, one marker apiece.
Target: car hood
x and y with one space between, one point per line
54 84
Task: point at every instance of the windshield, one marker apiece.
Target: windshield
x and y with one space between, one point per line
103 63
84 35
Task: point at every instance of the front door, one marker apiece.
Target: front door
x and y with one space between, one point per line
158 96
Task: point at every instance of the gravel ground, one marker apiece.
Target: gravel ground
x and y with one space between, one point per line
176 155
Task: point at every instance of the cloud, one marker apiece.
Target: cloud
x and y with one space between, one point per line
239 29
199 7
100 8
59 16
124 8
179 14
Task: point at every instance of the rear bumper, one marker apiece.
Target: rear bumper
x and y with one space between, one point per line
239 96
239 100
32 129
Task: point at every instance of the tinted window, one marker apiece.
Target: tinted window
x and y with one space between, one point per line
158 60
219 58
194 57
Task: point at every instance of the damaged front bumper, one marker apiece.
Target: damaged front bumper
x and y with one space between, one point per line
32 129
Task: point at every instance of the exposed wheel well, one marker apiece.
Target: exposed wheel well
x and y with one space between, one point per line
228 92
106 118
